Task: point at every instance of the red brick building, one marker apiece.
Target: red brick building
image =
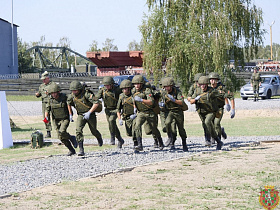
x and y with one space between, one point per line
114 63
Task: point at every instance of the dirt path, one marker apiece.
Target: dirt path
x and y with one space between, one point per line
220 180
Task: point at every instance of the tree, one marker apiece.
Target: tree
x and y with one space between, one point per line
24 59
185 37
109 46
135 46
93 47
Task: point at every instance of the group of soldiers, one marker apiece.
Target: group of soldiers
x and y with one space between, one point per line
136 104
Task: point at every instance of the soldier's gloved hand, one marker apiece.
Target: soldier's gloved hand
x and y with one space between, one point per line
71 118
197 98
137 98
161 104
232 113
135 110
86 115
133 116
120 122
228 107
171 98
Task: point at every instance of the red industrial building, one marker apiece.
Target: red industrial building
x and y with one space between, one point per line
113 63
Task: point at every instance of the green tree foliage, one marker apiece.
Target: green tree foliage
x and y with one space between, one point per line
264 52
109 46
184 37
24 59
135 46
93 47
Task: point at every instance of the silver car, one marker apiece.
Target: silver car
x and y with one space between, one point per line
270 86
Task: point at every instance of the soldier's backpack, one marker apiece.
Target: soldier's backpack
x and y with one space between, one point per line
37 140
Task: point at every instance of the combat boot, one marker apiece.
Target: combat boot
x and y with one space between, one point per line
169 140
120 142
112 139
100 141
81 147
160 143
69 146
207 140
155 142
48 134
74 142
135 142
139 147
219 143
185 147
223 133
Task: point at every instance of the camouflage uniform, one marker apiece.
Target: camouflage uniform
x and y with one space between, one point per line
126 109
194 85
144 112
206 105
60 116
255 81
110 99
43 93
222 94
174 112
83 103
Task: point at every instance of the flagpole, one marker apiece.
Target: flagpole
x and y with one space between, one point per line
12 25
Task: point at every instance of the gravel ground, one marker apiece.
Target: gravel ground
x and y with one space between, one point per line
22 176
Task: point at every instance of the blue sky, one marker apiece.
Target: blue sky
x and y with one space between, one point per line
86 20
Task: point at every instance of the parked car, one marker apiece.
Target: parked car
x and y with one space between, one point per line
119 79
270 86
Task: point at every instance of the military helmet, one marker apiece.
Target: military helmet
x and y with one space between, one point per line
108 80
44 75
75 85
126 84
196 77
214 75
167 81
54 88
203 80
138 79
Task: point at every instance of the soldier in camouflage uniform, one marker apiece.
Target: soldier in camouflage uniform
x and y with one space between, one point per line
255 83
110 95
43 93
173 99
144 103
125 109
85 103
194 85
222 99
205 99
57 106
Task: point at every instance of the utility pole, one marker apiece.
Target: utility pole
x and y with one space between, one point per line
270 26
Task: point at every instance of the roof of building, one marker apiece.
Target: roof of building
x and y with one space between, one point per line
116 58
8 22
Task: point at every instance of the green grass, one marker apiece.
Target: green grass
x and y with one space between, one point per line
22 98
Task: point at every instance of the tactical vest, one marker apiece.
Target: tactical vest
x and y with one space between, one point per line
43 89
127 103
140 105
82 105
110 98
207 102
168 103
59 107
220 96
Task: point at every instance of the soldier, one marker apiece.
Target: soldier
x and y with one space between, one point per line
194 86
144 103
110 95
42 92
205 99
255 83
57 106
125 109
85 103
173 99
222 99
